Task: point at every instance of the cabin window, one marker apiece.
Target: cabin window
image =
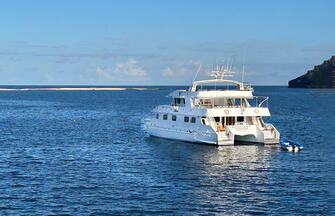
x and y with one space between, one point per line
165 116
230 102
193 120
230 121
203 120
174 118
157 116
186 119
178 101
240 119
217 119
205 101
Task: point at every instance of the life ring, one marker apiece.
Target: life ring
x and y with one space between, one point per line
226 111
256 111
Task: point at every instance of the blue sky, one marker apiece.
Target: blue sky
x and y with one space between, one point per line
160 42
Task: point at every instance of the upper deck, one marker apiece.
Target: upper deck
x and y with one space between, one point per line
213 94
223 94
215 100
241 86
242 90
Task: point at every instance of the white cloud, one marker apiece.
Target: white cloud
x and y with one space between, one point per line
103 73
130 68
126 71
167 72
181 68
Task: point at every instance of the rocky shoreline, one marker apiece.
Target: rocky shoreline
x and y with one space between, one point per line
322 76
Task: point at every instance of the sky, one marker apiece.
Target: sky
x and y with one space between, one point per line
161 42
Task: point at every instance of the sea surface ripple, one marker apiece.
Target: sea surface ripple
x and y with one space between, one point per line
85 153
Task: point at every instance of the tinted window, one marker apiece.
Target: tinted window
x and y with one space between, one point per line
193 120
174 118
240 119
186 119
165 116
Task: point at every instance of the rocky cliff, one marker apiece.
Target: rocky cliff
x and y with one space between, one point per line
322 76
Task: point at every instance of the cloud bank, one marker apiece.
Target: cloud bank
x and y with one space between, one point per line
125 71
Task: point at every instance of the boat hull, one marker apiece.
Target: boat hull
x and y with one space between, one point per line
199 136
183 135
290 146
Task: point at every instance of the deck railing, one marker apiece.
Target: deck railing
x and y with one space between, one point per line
256 101
274 132
259 101
247 86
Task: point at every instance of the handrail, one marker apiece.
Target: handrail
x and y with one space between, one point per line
264 102
196 83
274 131
265 99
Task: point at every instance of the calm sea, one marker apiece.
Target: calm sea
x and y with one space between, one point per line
84 153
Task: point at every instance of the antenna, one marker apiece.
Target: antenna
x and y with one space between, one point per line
222 71
231 65
197 73
243 75
227 63
243 69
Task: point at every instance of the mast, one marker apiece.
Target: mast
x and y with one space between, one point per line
243 76
196 74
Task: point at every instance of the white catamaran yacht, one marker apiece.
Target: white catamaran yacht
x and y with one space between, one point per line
214 116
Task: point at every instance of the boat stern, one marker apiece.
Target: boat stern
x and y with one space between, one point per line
254 134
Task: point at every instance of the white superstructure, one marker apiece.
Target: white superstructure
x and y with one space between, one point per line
214 116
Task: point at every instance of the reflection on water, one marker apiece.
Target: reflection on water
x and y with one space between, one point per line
223 177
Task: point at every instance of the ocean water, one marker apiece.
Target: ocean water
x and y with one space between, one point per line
84 153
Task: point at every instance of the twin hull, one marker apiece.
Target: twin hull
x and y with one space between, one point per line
205 134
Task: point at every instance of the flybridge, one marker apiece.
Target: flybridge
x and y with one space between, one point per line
220 73
240 85
224 94
243 91
213 94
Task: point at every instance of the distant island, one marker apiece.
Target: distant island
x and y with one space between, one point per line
322 76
